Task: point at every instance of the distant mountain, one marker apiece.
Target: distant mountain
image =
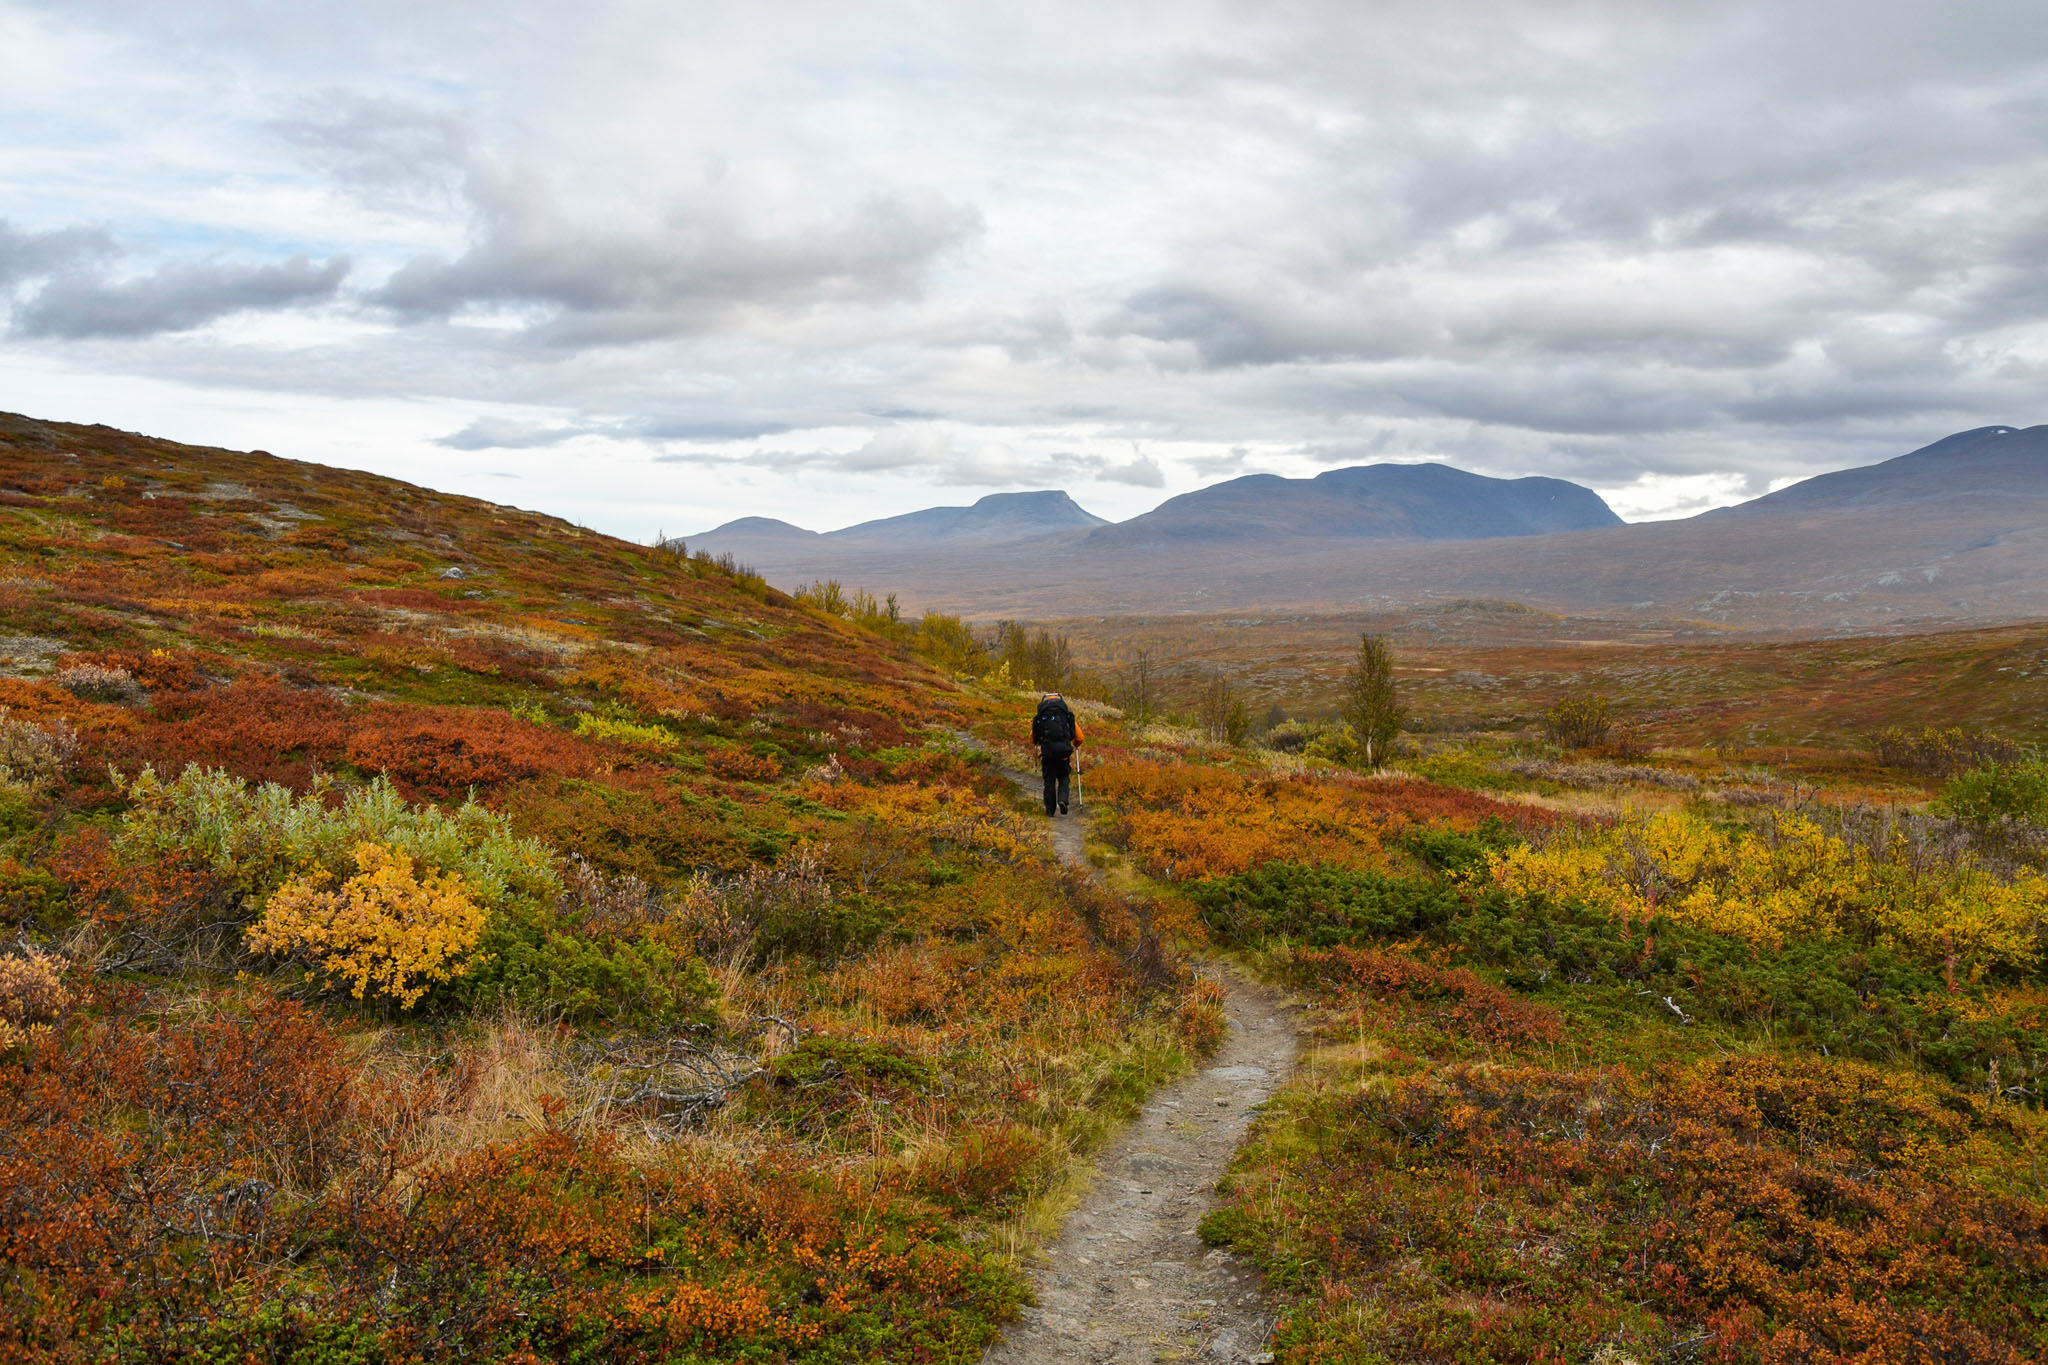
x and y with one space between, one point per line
1986 461
1368 502
761 528
998 519
1955 531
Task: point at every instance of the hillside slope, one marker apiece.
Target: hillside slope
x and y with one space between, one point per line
471 937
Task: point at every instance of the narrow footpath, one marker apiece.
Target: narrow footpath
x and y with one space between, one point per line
1128 1280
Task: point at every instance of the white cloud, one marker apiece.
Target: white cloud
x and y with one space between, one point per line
847 259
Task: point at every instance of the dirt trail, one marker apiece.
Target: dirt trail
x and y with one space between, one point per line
1128 1280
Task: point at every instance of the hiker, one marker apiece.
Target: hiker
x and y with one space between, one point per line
1055 734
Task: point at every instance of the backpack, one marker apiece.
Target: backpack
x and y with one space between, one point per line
1054 728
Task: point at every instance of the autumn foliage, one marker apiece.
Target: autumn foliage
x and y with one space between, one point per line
440 932
1187 821
1738 1209
1789 878
387 931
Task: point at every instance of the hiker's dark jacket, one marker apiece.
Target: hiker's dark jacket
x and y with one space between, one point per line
1049 736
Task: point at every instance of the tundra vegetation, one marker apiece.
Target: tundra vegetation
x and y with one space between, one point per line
1668 1059
436 931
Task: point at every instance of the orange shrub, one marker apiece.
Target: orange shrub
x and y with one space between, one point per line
1187 821
737 765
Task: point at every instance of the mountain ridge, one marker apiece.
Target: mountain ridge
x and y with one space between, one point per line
1956 530
1372 502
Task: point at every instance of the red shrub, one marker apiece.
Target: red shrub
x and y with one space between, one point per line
144 1169
737 765
443 751
269 733
258 730
1454 997
991 1167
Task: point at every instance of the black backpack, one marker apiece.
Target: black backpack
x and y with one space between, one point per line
1055 728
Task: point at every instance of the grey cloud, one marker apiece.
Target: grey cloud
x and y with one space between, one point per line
1229 465
685 274
509 433
174 298
731 426
1246 327
944 458
495 433
1590 237
1141 471
26 255
512 433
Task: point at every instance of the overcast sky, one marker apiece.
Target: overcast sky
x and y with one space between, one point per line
654 265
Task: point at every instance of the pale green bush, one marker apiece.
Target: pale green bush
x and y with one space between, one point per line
259 837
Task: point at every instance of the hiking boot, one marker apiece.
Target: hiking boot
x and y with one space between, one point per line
1063 808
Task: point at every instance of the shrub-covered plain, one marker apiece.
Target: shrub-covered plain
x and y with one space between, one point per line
1670 1076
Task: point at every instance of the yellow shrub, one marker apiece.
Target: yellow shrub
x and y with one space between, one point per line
1786 879
1561 870
1979 920
625 732
385 929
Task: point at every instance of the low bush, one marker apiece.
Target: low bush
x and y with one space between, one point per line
820 1058
628 733
1578 720
1320 905
1941 752
787 909
1788 878
1993 795
1737 1208
32 994
1446 849
738 765
30 895
256 838
1186 822
384 932
642 977
1596 774
1830 994
98 682
33 757
1451 997
990 1168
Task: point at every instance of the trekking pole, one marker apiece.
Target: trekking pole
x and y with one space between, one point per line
1077 779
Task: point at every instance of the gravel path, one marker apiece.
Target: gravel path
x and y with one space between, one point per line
1128 1280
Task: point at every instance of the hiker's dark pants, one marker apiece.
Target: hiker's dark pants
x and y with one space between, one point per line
1056 771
